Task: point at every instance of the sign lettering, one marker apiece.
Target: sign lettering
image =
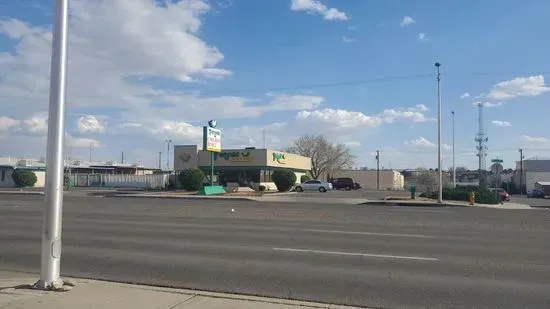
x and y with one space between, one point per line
279 157
212 139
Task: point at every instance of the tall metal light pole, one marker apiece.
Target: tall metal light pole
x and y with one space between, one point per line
520 172
440 194
454 166
378 170
53 212
168 142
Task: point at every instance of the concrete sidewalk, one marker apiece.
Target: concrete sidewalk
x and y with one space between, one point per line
424 203
91 294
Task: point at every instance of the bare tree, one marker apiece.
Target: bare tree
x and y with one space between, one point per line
326 158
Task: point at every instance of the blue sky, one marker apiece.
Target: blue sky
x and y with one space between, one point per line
360 72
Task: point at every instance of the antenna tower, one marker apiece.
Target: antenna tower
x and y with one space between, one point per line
481 141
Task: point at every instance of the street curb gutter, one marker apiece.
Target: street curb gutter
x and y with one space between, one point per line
193 197
21 193
411 204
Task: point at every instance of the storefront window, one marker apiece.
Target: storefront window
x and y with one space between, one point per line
265 176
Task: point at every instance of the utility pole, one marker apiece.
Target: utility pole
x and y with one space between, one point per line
263 136
454 166
440 194
520 172
160 160
378 170
122 159
168 142
50 263
90 157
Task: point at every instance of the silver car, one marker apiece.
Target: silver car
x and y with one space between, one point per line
314 185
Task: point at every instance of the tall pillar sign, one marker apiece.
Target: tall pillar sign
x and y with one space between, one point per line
212 143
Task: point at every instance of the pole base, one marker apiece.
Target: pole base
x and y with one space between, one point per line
58 285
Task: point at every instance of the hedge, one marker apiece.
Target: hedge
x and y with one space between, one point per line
284 179
191 179
23 178
462 193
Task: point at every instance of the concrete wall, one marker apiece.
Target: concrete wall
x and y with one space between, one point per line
389 180
186 156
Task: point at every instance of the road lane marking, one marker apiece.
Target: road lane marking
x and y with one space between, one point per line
383 256
372 234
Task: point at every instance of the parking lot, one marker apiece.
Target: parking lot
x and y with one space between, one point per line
533 202
361 193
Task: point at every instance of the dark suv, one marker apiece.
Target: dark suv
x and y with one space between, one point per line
343 183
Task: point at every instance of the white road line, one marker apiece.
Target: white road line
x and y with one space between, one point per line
372 234
383 256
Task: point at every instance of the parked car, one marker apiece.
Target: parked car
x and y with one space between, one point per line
314 185
536 193
357 186
343 183
503 194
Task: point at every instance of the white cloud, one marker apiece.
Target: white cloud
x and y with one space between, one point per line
348 40
80 142
293 102
119 45
89 124
177 130
404 115
339 118
519 87
423 37
407 20
7 123
535 141
352 144
465 95
488 104
316 7
419 108
501 124
422 143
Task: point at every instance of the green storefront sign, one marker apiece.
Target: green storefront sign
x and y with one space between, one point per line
279 157
236 156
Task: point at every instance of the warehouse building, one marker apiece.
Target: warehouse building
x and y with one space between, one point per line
248 167
534 170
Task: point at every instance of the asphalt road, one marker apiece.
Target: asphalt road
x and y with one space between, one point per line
382 257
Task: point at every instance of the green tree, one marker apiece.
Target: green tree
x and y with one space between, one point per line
191 179
24 178
284 179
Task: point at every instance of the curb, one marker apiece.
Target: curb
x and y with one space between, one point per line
411 204
21 193
177 197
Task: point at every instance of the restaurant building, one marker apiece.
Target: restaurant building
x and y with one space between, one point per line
249 167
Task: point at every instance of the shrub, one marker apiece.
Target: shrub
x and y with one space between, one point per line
304 178
191 179
262 188
24 178
462 193
284 179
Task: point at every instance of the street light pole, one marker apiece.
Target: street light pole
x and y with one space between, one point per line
440 194
53 212
454 166
168 142
521 172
